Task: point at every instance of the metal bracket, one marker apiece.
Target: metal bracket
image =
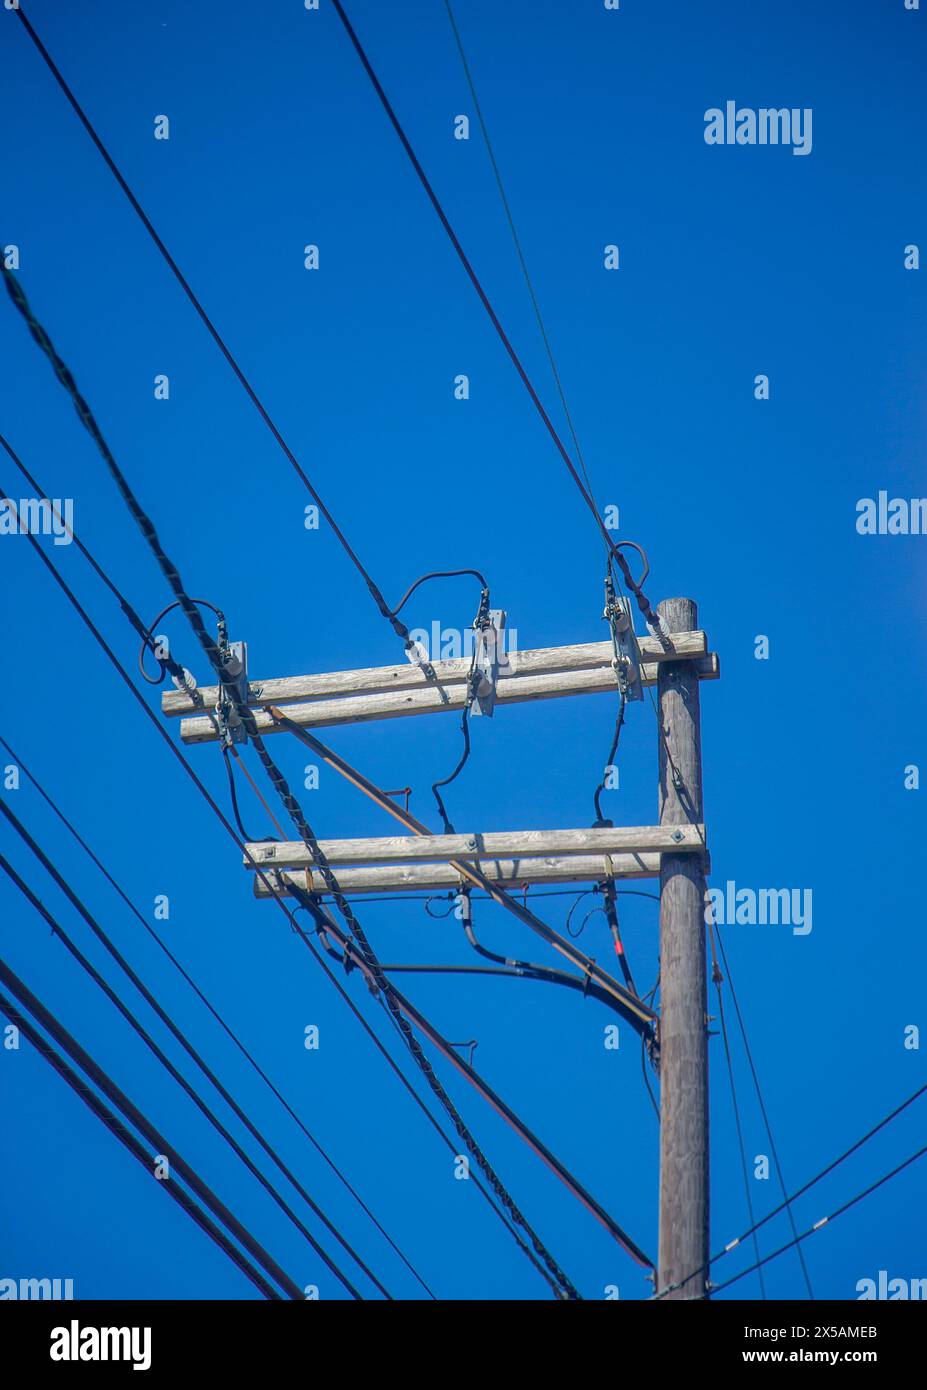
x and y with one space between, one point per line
488 658
627 659
235 683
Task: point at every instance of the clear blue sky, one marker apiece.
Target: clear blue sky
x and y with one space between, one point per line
734 261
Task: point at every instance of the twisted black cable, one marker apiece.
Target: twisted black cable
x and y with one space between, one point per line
242 846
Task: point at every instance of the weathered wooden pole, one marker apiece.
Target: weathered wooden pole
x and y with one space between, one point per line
683 1238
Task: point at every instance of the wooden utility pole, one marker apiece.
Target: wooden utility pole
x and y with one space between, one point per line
501 862
683 1238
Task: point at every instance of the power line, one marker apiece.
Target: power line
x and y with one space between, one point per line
214 1012
214 807
684 799
638 1014
614 550
294 810
763 1111
116 1127
355 956
718 980
165 1061
135 1117
806 1187
826 1220
398 626
518 247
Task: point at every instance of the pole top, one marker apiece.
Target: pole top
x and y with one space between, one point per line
679 614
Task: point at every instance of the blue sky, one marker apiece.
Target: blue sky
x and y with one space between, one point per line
735 261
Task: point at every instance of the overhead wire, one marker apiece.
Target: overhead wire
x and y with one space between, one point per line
233 796
111 994
227 1030
516 239
358 958
718 980
638 1014
398 626
401 631
765 1114
650 614
150 534
825 1220
230 830
294 810
148 640
610 549
159 1144
800 1192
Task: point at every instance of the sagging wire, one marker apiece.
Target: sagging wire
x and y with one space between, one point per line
166 662
423 660
450 898
573 906
257 792
464 757
233 795
436 574
480 624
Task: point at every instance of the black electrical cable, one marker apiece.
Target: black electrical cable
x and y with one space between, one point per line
516 239
125 1137
759 1095
358 957
159 1144
637 1014
279 782
167 661
642 602
214 807
233 796
148 642
245 715
530 970
446 781
619 722
401 631
229 1032
165 1061
398 627
718 980
188 1048
800 1192
574 935
436 574
826 1220
649 613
